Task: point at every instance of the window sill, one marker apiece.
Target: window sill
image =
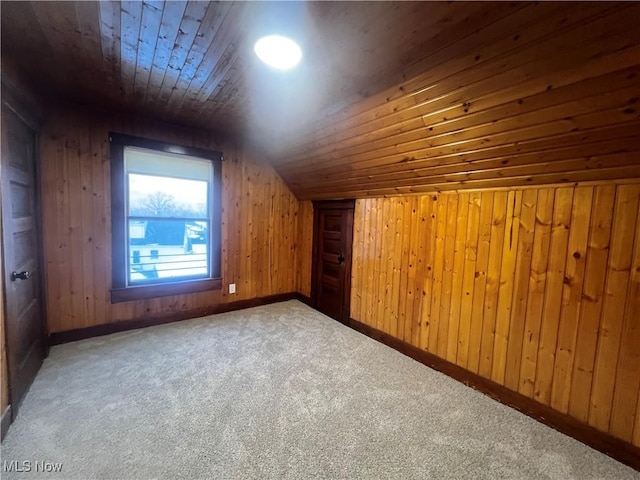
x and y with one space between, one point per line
119 295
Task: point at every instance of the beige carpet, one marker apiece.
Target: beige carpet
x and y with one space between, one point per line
273 392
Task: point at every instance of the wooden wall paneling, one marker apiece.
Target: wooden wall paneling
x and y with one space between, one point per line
66 208
270 203
438 271
304 246
591 300
617 280
480 280
553 294
571 298
251 277
279 271
358 252
233 163
292 211
456 285
627 385
362 209
100 198
389 305
85 165
376 257
245 232
291 223
370 252
414 218
405 213
521 288
409 258
387 262
259 216
398 239
359 269
383 279
396 262
419 267
429 257
227 239
260 239
468 274
498 225
286 245
368 259
378 286
280 245
510 282
536 295
447 280
512 294
505 290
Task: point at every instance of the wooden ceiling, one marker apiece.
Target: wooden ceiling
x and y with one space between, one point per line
391 97
193 62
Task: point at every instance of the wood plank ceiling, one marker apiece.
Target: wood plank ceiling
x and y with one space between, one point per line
391 97
193 62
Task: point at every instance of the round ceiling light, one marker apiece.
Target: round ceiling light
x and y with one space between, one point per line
278 52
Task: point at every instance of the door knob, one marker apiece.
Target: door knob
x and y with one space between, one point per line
20 276
340 258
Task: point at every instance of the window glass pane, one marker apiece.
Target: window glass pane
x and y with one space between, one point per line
156 196
162 249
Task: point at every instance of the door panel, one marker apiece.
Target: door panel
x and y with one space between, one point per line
333 233
24 324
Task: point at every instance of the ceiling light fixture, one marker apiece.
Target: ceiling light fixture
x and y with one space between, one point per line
278 52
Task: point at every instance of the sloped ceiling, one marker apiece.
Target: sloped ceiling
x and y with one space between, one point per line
391 97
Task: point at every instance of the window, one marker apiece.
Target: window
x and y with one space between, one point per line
165 202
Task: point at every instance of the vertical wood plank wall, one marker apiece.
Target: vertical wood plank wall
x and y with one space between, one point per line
537 289
259 222
304 247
